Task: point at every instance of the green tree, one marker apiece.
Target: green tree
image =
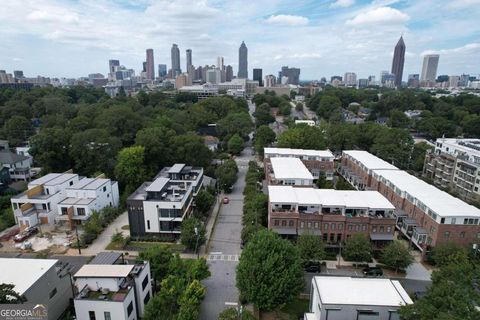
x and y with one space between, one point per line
190 239
8 295
263 115
249 231
226 174
191 149
285 109
358 249
342 184
94 150
323 183
397 256
310 247
418 156
394 145
235 123
130 167
17 129
234 314
164 305
299 107
159 257
329 107
444 254
235 144
303 137
203 202
398 119
269 272
157 142
50 149
264 136
121 122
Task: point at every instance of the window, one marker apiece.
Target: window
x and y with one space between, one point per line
367 315
284 223
81 211
104 188
389 229
382 229
91 315
130 308
350 227
107 315
462 234
340 226
325 226
454 221
442 221
309 224
364 227
315 225
333 226
44 206
71 182
374 229
446 234
302 225
145 282
357 227
52 293
147 298
275 223
290 223
148 224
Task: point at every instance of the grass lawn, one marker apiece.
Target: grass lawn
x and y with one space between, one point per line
175 247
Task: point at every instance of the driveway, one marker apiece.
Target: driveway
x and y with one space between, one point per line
224 250
416 271
102 241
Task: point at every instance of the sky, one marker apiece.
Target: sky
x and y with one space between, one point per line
72 38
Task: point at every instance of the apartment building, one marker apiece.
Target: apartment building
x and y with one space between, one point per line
112 291
86 196
287 171
38 204
63 197
40 281
455 164
426 215
183 174
317 161
334 214
357 167
158 208
334 298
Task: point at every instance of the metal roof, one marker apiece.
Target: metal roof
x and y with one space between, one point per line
104 271
157 185
106 258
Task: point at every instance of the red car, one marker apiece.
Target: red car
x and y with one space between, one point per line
25 234
226 200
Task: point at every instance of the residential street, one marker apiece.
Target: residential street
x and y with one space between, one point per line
225 249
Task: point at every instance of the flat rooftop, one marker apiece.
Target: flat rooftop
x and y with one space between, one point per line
442 203
361 291
157 185
77 201
299 152
458 146
329 197
104 271
289 168
370 161
23 273
176 168
89 183
53 179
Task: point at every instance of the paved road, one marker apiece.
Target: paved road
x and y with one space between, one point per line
225 249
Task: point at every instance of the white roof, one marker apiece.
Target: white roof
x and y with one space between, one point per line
89 183
176 168
328 197
23 273
290 168
299 152
361 291
104 271
157 185
370 161
53 179
435 199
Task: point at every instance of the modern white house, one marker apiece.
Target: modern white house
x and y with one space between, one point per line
18 165
158 208
112 291
63 197
348 298
38 205
86 196
40 281
289 172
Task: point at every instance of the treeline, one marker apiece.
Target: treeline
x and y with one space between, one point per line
449 116
83 129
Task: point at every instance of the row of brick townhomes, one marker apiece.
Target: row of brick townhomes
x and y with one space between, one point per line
297 207
424 214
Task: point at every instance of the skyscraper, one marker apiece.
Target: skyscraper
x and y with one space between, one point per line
257 76
150 66
292 74
162 70
350 79
398 62
429 69
220 64
175 53
243 61
228 73
189 59
112 64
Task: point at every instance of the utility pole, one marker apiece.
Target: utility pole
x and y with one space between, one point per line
78 240
196 244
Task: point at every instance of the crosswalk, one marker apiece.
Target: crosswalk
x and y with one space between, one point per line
223 257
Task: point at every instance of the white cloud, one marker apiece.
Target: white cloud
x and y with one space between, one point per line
342 3
382 15
286 19
461 4
466 49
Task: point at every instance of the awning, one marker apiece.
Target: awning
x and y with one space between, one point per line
381 237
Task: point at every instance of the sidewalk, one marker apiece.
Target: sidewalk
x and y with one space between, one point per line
211 224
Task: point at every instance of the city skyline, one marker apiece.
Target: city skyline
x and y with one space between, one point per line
58 39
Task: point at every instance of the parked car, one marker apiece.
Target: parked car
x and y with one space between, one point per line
226 200
373 271
312 266
25 234
8 234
